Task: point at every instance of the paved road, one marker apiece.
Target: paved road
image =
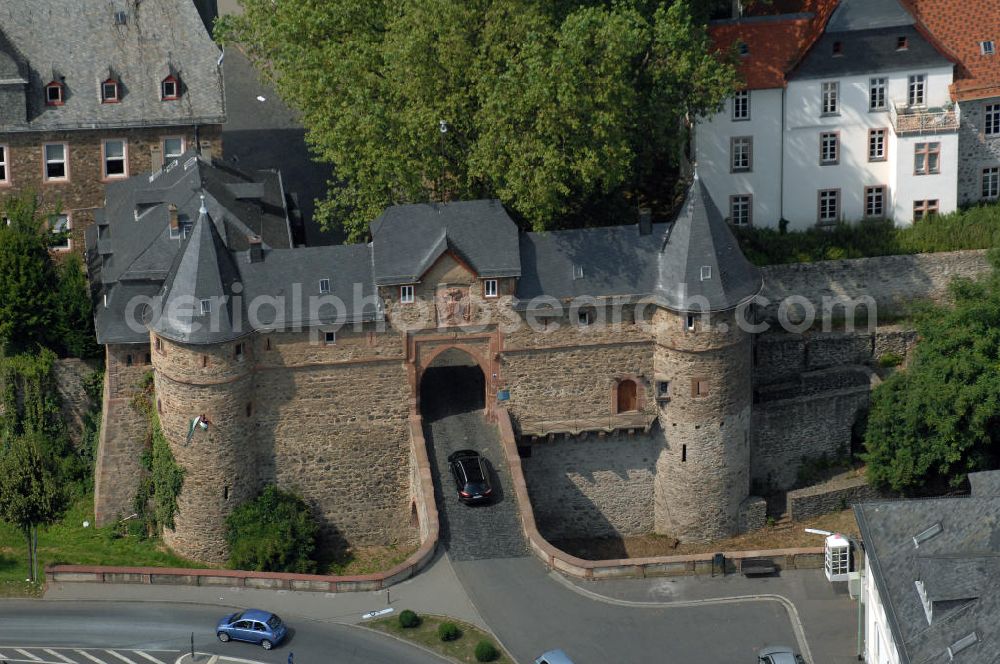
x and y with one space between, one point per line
135 633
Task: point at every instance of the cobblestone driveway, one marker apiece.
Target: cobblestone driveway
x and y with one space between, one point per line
453 420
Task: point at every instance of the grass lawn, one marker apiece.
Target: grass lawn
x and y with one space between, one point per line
69 542
425 634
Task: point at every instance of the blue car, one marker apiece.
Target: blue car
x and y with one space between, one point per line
253 626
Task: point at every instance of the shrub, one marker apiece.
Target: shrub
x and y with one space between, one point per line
274 532
486 652
408 619
448 631
890 360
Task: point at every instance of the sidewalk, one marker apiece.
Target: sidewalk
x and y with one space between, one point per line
435 590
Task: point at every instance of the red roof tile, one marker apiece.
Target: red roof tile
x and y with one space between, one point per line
958 26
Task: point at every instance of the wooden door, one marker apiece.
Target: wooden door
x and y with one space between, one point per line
627 396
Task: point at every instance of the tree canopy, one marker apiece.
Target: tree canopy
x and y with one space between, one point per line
274 532
560 109
939 419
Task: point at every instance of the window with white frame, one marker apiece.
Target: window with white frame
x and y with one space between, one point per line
330 337
991 182
741 105
206 307
987 47
173 147
169 88
875 202
829 148
741 148
110 92
324 285
60 225
876 144
831 98
54 94
916 90
877 100
56 162
829 206
991 120
924 209
490 288
114 158
4 171
689 322
926 158
741 210
406 294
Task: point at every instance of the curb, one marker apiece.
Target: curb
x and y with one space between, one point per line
406 642
437 654
789 606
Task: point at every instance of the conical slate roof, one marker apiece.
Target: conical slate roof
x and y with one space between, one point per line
203 271
701 265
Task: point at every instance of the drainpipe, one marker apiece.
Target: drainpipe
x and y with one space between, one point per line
861 597
781 162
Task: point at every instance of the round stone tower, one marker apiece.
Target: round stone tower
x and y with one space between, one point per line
703 366
202 354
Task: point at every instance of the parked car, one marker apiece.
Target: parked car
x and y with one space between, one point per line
253 626
472 476
779 655
554 657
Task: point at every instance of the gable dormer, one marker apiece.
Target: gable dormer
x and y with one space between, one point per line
55 93
111 88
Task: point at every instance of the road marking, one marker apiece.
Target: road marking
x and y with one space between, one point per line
29 655
149 657
62 657
91 657
120 656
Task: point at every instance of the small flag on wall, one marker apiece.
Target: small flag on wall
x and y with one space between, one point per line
200 422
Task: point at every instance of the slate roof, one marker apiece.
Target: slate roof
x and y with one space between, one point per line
868 15
409 238
79 42
958 26
958 567
867 52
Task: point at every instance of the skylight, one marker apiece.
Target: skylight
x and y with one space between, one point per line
925 535
962 644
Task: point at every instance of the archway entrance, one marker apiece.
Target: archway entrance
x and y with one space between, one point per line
627 396
452 383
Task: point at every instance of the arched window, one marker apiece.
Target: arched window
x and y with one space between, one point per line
627 396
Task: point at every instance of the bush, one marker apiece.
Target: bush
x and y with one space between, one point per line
448 631
890 360
408 619
274 532
486 652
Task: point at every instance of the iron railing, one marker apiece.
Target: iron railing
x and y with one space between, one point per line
922 120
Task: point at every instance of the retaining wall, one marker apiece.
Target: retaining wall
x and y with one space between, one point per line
831 496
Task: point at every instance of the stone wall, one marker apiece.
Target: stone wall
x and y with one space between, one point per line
891 281
83 190
837 494
976 151
71 375
593 486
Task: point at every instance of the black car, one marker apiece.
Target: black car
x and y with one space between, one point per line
472 476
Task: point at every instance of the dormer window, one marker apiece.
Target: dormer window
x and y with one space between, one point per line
55 94
206 307
110 92
170 88
902 43
324 285
706 272
986 47
406 294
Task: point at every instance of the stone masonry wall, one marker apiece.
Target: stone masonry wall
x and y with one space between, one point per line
831 496
976 151
593 486
71 375
83 190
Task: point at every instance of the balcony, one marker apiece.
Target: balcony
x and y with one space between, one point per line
630 421
907 120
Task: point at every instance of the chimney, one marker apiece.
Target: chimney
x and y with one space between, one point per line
645 221
175 224
256 253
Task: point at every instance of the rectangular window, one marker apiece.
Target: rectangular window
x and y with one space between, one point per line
490 288
741 149
924 209
168 89
324 285
829 206
986 47
875 202
689 322
991 182
876 94
238 350
829 148
663 390
741 210
916 89
991 126
56 162
699 387
109 91
61 225
114 158
741 105
406 294
926 158
876 144
585 317
330 338
206 307
173 147
4 179
831 98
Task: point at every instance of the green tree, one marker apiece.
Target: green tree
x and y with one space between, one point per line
74 325
939 419
29 493
27 278
548 106
274 532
